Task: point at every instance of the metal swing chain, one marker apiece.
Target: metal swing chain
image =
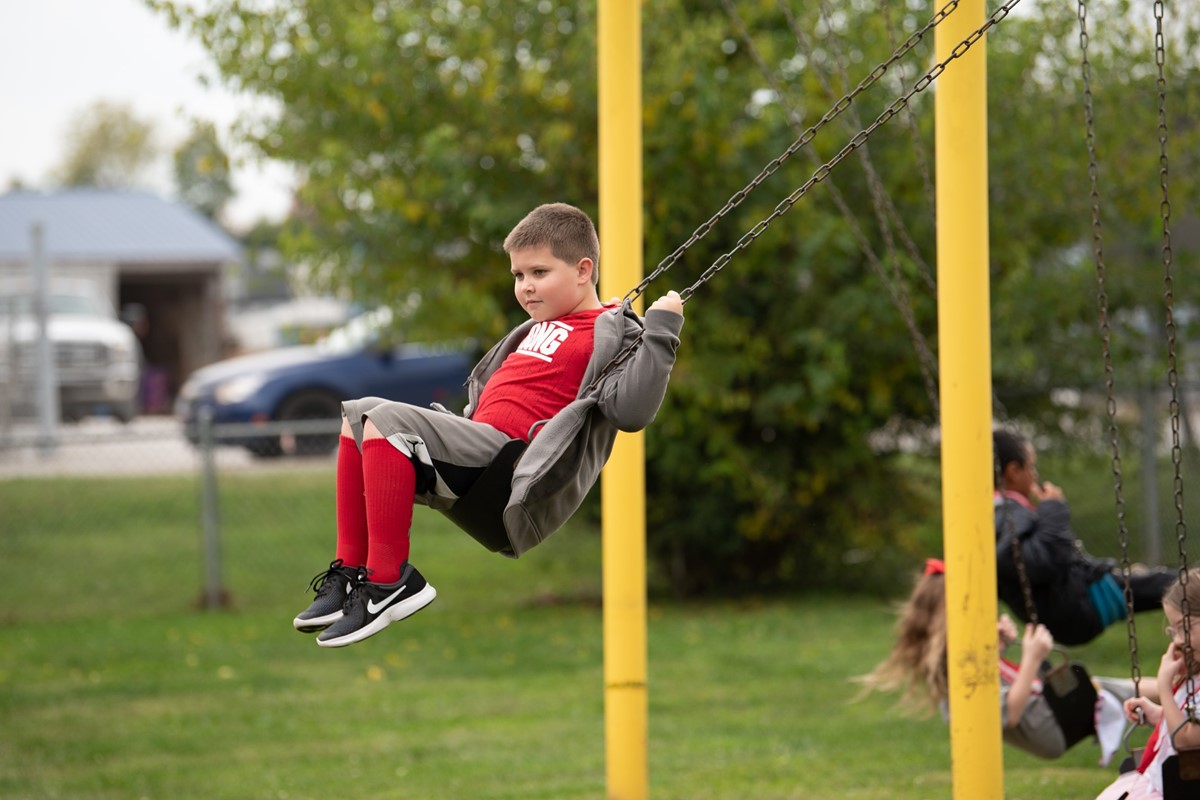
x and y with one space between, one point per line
1018 556
1102 301
914 133
885 208
1172 372
897 291
855 142
819 175
886 214
773 166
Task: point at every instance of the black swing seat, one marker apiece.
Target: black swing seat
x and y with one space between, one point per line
1181 775
480 512
1072 696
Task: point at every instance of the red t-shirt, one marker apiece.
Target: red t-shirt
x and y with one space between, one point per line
541 376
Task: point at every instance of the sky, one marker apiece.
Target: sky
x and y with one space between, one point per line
58 57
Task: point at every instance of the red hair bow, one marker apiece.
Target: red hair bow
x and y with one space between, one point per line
935 566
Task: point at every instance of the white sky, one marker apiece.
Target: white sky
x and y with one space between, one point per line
57 57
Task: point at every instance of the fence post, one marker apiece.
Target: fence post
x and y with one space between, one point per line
45 363
215 595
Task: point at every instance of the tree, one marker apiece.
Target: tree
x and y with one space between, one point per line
1044 293
109 147
202 173
425 130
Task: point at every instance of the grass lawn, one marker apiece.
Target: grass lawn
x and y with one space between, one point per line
114 685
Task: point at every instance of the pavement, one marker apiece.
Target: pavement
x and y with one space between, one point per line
102 446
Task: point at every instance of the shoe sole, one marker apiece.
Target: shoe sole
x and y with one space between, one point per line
394 613
316 624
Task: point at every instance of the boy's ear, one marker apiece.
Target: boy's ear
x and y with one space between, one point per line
585 267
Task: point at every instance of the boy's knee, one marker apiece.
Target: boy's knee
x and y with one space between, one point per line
370 431
346 429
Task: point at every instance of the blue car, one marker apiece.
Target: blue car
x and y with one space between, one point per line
264 391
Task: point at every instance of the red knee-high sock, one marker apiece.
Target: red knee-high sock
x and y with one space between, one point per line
351 505
391 483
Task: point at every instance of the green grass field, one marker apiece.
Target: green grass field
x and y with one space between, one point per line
113 684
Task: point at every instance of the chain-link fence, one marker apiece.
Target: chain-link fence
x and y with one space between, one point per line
102 484
226 503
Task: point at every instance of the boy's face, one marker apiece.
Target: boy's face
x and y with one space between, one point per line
548 287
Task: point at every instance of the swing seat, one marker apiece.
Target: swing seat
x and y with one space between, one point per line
480 512
1181 775
1072 697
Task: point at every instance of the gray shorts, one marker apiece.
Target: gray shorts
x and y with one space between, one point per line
450 452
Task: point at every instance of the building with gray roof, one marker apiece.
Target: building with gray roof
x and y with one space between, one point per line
158 261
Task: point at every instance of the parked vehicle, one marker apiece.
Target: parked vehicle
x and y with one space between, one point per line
97 358
309 382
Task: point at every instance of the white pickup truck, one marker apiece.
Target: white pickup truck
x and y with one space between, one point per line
97 357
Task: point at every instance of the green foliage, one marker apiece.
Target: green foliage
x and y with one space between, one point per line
108 147
426 130
202 171
115 686
1044 288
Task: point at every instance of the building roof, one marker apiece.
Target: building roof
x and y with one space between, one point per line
110 225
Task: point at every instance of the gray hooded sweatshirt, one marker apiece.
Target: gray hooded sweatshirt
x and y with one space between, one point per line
565 457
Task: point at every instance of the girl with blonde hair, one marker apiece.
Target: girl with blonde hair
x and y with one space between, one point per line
916 666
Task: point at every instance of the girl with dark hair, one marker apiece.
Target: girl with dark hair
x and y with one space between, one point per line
1076 595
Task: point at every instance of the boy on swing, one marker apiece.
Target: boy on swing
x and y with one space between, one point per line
545 383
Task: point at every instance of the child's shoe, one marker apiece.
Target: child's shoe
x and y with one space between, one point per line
371 607
332 586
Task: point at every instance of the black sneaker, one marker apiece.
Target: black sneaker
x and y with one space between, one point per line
371 607
332 587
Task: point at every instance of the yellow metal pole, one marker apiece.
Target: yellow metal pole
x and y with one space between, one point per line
623 490
964 347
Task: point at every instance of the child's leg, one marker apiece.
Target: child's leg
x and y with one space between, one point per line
351 503
1149 586
409 455
390 482
333 586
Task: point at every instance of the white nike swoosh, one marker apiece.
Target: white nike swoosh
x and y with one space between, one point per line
373 608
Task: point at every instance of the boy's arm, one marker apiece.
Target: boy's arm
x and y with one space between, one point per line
630 396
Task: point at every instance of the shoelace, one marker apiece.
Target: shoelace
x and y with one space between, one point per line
320 582
356 588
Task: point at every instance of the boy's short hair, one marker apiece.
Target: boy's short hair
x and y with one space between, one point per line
569 232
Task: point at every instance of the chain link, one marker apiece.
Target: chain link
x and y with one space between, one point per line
1172 371
818 176
895 285
809 134
855 142
914 133
1106 346
1015 543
